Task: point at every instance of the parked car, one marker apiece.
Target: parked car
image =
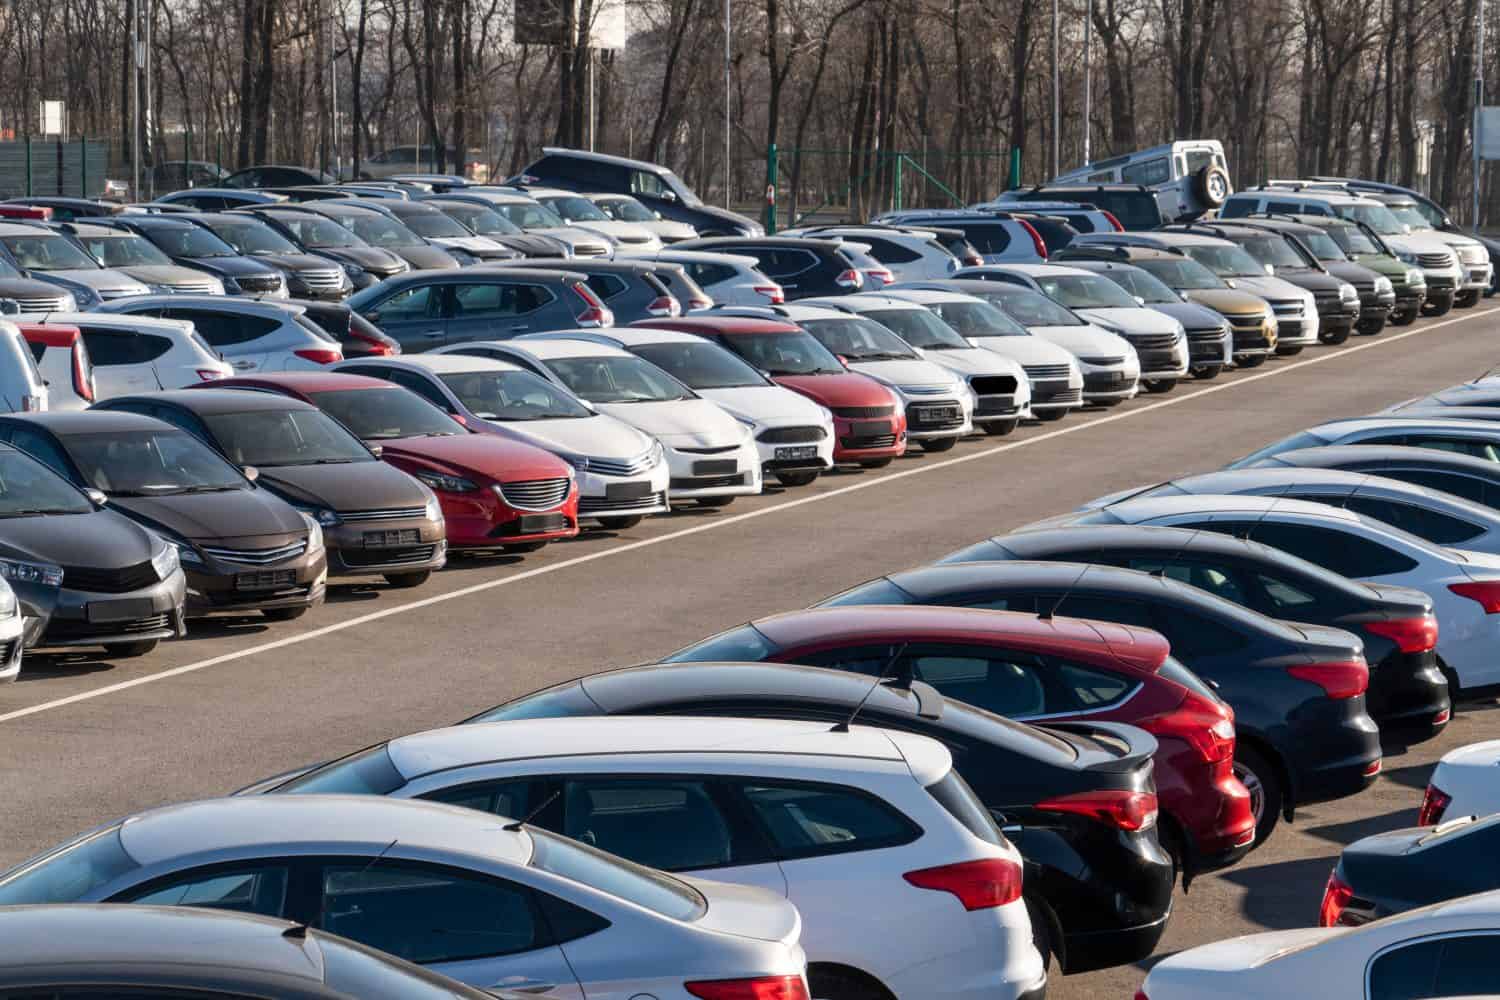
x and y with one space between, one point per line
679 285
307 276
967 654
629 289
1132 205
578 210
1465 397
133 255
712 456
1187 177
1316 245
729 279
12 633
426 310
1417 411
909 254
848 826
869 420
38 252
249 334
216 199
481 220
432 224
85 575
1363 246
1479 438
275 175
33 296
625 208
535 219
446 887
1473 257
61 374
140 353
375 519
1082 216
243 549
1474 479
313 234
802 268
357 336
998 237
190 245
173 175
1462 785
380 230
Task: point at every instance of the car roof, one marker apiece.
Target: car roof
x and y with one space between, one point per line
278 308
1222 503
629 336
925 295
1034 270
328 822
863 301
1392 453
123 321
1165 238
574 265
622 161
67 422
545 349
722 324
706 257
1334 428
245 400
439 363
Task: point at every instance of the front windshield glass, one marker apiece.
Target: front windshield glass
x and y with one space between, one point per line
68 873
617 380
1142 284
1034 309
1079 291
252 237
481 220
1272 250
1181 273
268 438
1322 245
124 251
320 233
855 338
1302 439
1376 216
1354 240
381 231
150 463
573 208
796 353
529 215
700 366
380 414
192 242
1409 215
364 772
29 487
1227 261
626 210
433 225
645 887
512 395
919 328
48 253
978 319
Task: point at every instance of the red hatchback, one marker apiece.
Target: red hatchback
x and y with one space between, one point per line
495 493
868 421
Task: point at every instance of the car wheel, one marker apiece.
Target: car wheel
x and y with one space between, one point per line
1206 372
620 523
401 581
875 463
938 444
1000 428
1369 327
1050 415
1103 404
1436 308
1403 318
797 478
283 614
1466 300
1263 781
843 984
715 501
1289 352
1250 361
1332 337
1160 385
1211 186
126 650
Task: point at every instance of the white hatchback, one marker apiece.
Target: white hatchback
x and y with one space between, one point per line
1466 782
133 354
730 279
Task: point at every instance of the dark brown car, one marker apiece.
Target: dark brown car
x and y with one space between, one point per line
242 548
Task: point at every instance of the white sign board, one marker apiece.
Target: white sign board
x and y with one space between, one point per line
52 118
1489 133
608 30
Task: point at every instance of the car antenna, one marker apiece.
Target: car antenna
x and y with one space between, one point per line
298 930
843 727
1048 614
515 825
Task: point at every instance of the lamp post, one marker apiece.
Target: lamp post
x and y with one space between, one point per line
728 41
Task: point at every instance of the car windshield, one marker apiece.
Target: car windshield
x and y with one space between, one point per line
481 220
1408 214
433 225
1374 215
150 463
1354 240
1226 260
1084 291
745 644
192 242
364 772
68 873
978 319
381 414
855 338
700 366
573 208
617 380
1272 250
1181 273
48 253
1304 439
512 395
645 887
1322 245
124 250
1031 308
252 237
919 328
28 487
626 210
269 438
529 215
380 231
313 231
1142 284
796 353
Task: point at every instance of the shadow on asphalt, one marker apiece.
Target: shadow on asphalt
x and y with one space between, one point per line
218 628
1284 895
43 666
1413 776
1344 834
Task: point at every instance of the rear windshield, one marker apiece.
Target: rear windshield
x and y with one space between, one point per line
565 702
745 643
368 772
1174 671
955 796
1305 439
68 873
645 887
881 591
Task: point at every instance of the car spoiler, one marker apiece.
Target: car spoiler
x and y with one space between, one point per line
1121 748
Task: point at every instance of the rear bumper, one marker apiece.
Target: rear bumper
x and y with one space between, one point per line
1102 949
1409 697
1346 755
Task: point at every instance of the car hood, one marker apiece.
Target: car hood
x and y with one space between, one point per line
296 261
214 517
103 539
234 267
625 232
1348 270
1134 320
352 486
473 244
973 360
1191 315
681 422
668 231
486 454
904 372
28 288
1306 277
531 245
1080 339
164 274
1418 243
371 258
427 258
843 390
724 215
101 280
766 404
599 436
1030 350
1268 287
570 234
1382 263
1227 961
1228 301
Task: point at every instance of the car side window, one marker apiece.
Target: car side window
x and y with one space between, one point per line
709 274
1221 580
808 820
1343 552
427 913
1435 526
1282 595
785 263
419 385
473 301
1193 635
647 183
502 798
675 824
119 347
418 302
1467 487
1406 973
224 329
248 888
40 447
1154 171
889 251
1463 446
606 286
1467 967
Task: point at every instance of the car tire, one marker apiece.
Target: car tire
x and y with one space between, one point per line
1211 186
1263 780
798 477
1160 385
1050 415
620 523
1206 372
1288 352
834 983
1369 327
875 463
401 581
1433 309
283 614
127 650
1466 300
1000 428
1332 337
714 501
1250 361
1403 318
938 444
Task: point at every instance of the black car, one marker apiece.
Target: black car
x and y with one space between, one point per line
358 337
1056 232
1375 303
482 220
1133 205
1401 870
217 199
1089 886
630 288
803 268
315 234
193 246
654 186
380 230
68 209
274 175
1249 659
307 276
1476 479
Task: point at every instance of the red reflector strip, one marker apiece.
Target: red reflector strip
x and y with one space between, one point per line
1373 767
1441 719
1435 802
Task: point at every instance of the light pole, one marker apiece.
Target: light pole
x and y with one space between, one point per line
1478 107
1088 79
1056 98
728 41
135 104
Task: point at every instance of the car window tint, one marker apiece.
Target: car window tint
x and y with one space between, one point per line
425 913
40 447
1192 635
224 329
1343 552
1406 973
1435 526
110 347
1283 595
1467 487
1153 171
418 384
666 823
606 286
471 301
408 304
503 798
813 820
889 251
1468 967
1219 580
710 274
1463 446
254 889
1106 609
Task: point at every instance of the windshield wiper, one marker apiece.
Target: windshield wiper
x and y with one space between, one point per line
27 511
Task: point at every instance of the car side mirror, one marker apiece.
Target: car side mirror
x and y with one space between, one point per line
1183 296
376 450
669 196
96 497
251 472
1140 300
1270 270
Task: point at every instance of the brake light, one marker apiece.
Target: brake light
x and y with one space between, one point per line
594 313
1486 592
373 345
1112 220
1141 995
1128 811
762 988
320 356
664 306
973 260
697 303
209 374
979 885
1373 768
1036 239
1338 680
1336 896
772 292
82 383
1435 802
850 279
1201 724
881 275
1411 635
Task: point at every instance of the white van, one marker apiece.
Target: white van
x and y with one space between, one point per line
1189 176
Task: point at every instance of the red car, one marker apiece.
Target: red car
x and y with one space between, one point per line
870 424
495 493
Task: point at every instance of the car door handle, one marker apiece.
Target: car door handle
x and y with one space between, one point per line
524 985
432 333
242 365
520 326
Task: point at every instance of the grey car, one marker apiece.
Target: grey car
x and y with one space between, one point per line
112 952
380 230
138 257
631 289
307 276
36 251
1210 337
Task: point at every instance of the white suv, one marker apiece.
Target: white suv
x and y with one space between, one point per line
133 354
905 885
909 254
730 279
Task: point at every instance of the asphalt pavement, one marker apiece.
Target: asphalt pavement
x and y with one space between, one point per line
82 741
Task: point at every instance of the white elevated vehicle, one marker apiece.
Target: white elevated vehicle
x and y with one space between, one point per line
578 210
1188 177
900 875
133 354
913 254
1466 782
730 279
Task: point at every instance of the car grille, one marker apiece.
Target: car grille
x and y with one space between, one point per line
1104 362
383 514
603 505
590 250
1364 288
109 581
1065 396
356 558
726 449
935 416
1212 336
256 557
536 494
1288 307
1154 342
925 390
110 294
707 482
621 467
863 412
1039 372
875 441
1435 260
193 287
8 649
40 303
72 631
791 435
991 385
323 281
260 282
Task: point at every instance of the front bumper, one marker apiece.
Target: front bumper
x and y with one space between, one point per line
68 618
1048 395
482 519
624 496
805 453
218 585
858 439
1169 363
735 472
1210 348
938 418
1108 385
1477 276
371 548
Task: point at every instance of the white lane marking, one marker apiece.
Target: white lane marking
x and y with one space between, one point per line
923 469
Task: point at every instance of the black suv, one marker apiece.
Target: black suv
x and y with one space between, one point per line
803 268
1133 205
1376 301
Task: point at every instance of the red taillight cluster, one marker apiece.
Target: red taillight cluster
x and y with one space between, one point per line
594 313
1335 897
850 278
374 345
1036 239
82 383
1112 220
760 988
1203 725
979 885
664 306
881 275
320 356
1124 810
1338 680
1435 802
1486 592
1411 635
772 292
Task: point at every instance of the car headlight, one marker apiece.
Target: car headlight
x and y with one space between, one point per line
826 412
70 303
658 453
1406 256
166 561
434 509
21 571
86 298
186 554
326 518
1415 277
1347 293
231 287
448 484
8 603
1383 285
314 534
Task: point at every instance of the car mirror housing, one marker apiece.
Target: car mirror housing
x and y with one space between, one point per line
251 472
96 497
376 450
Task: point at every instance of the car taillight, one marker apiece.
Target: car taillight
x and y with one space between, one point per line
697 303
1128 811
881 275
1338 680
1411 635
850 279
1200 723
373 345
973 260
761 988
979 885
1435 802
209 374
664 306
1336 896
1486 592
320 356
82 384
594 313
1036 239
1141 995
1112 220
772 292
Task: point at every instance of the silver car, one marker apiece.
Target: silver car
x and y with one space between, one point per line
489 902
253 335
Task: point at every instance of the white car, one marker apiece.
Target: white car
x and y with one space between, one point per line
730 279
23 388
794 435
1464 585
909 254
624 208
1479 438
1463 784
61 375
577 210
1054 378
1160 341
531 216
939 404
1002 392
133 354
872 833
252 335
712 456
489 903
12 625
